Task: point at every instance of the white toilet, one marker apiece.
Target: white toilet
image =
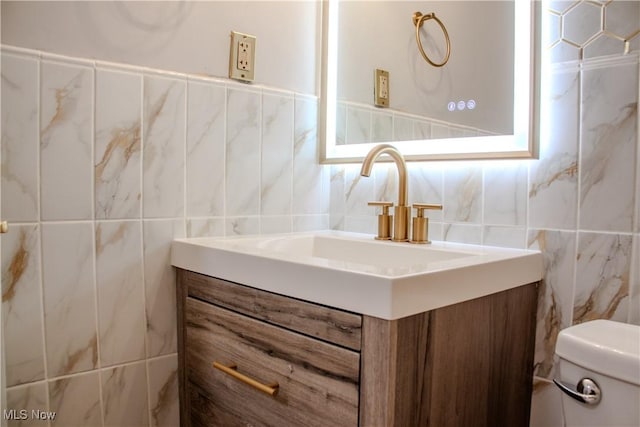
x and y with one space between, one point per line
600 374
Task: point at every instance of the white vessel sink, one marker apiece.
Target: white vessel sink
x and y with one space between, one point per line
354 272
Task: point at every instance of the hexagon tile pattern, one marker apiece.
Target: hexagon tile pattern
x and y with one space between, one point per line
582 29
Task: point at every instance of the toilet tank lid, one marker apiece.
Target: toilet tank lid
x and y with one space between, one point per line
604 346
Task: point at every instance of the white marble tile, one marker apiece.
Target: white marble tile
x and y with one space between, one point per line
76 401
20 144
505 193
634 287
436 231
120 291
381 127
456 132
341 123
359 190
163 147
426 130
117 157
402 128
242 184
385 181
30 397
163 392
462 233
124 396
637 192
555 295
426 182
21 305
310 183
564 52
160 284
554 27
336 222
69 298
358 125
506 237
608 155
439 131
239 226
462 201
553 179
603 45
205 149
546 404
634 44
337 174
275 224
622 17
277 155
310 222
337 205
66 163
361 224
582 22
602 280
205 227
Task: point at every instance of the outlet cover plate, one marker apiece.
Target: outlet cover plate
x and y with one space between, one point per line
381 88
242 57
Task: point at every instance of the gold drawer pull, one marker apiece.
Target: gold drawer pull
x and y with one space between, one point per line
271 389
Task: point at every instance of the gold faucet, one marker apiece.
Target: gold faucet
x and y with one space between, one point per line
402 211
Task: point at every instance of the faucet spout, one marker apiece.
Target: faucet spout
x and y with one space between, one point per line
402 211
372 156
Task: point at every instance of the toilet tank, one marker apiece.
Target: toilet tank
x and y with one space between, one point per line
608 353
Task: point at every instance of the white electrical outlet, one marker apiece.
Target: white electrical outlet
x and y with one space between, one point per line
242 57
381 88
384 86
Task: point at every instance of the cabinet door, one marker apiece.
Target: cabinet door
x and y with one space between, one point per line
317 381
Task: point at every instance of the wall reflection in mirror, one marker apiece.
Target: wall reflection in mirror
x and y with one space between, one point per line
477 105
471 95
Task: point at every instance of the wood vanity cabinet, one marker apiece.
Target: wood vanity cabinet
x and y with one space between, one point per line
469 364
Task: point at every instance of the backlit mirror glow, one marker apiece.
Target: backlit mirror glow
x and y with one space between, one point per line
510 135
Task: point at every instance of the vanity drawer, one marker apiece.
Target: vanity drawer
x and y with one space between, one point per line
318 382
326 323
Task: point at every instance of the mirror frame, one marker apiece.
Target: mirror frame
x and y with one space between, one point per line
522 144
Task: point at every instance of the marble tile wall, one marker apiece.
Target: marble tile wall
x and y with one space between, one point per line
360 123
102 166
579 203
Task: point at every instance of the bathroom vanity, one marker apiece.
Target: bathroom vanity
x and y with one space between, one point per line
261 347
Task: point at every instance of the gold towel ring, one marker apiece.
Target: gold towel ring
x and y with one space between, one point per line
418 20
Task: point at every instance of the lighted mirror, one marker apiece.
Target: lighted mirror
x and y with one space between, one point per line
480 104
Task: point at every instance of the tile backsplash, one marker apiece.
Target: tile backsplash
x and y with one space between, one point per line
579 203
360 123
103 165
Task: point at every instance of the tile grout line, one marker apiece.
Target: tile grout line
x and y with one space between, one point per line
224 163
39 227
260 120
143 276
93 244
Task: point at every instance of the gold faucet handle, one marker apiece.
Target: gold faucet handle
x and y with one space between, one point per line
421 224
384 220
421 207
384 205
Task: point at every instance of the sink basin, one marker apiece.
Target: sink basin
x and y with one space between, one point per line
354 272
